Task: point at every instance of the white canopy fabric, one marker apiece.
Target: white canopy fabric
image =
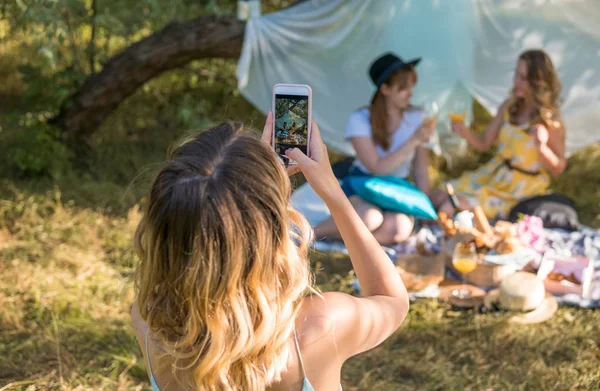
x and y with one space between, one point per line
469 48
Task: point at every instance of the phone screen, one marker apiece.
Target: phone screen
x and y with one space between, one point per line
291 123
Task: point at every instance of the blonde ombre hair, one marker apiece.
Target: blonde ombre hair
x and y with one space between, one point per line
223 262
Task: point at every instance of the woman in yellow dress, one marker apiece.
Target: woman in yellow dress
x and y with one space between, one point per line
530 137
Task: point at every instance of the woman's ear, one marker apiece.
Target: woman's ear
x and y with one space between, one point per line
385 89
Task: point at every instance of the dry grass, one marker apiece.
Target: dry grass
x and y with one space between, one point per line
65 291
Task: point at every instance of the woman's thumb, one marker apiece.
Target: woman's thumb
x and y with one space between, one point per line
297 155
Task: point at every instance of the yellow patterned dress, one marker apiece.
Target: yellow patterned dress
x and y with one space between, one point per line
514 173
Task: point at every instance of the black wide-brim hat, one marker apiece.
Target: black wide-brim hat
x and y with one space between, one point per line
382 68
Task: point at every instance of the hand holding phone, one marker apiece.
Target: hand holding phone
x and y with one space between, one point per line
292 109
267 138
317 168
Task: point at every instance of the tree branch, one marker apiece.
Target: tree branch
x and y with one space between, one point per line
174 46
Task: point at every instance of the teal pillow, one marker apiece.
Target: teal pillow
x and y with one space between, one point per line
395 194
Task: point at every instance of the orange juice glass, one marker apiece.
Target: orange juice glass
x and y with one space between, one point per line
464 260
457 117
464 265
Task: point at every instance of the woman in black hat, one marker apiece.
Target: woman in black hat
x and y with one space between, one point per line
387 136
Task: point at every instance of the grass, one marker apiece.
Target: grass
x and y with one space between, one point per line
65 292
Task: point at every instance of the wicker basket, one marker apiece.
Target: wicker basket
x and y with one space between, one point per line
420 271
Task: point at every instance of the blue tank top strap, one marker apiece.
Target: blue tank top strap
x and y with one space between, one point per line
155 386
306 386
299 354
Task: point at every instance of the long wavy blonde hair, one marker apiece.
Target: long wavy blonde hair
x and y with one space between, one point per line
223 262
545 88
401 78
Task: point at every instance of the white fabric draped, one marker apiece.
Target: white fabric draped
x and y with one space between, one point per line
469 48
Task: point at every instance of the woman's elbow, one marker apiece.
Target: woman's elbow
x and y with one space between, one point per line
402 311
481 148
558 169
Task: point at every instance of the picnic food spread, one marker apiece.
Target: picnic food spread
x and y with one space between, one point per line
502 238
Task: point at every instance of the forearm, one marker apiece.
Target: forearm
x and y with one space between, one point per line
390 163
421 170
550 160
376 273
422 182
476 141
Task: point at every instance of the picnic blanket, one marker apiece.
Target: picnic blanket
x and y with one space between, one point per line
582 243
585 242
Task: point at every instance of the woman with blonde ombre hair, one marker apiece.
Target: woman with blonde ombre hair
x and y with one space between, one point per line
530 137
224 293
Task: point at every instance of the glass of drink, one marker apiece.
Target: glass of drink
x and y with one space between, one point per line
458 112
464 260
430 111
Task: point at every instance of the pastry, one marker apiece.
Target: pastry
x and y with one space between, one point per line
446 224
505 229
507 245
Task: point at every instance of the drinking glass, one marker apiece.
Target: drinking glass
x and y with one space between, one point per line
458 111
431 111
464 260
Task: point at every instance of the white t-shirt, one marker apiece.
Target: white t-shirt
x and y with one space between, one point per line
359 126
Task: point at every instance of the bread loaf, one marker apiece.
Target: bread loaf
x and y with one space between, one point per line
507 246
481 221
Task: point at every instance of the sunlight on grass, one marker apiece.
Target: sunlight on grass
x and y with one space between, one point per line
65 289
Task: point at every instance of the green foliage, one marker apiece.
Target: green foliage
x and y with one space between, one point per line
38 151
46 49
36 93
57 27
134 138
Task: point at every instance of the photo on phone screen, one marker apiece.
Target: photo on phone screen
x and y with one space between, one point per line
291 123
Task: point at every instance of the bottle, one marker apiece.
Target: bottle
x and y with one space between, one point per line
452 197
469 226
461 218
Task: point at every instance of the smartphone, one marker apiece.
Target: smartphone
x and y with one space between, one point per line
292 110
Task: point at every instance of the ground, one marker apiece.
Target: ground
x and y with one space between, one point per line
65 292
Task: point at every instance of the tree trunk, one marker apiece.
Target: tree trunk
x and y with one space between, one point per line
176 45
